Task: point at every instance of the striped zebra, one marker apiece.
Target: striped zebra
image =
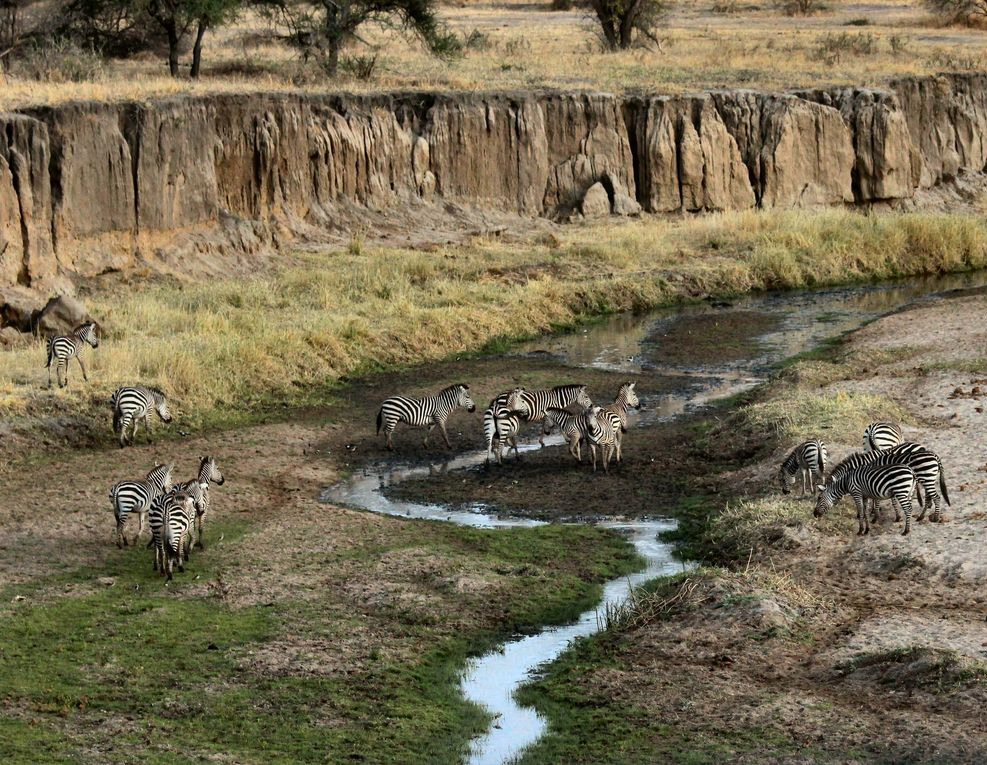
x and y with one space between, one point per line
625 400
176 513
535 402
882 435
421 412
507 425
136 497
133 404
601 430
807 461
209 472
572 426
61 349
498 408
874 481
925 463
158 514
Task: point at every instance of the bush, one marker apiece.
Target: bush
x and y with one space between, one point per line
799 7
60 60
967 12
834 46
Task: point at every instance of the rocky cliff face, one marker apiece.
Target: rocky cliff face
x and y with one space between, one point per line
88 187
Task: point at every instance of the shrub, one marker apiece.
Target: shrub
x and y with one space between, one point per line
968 12
60 60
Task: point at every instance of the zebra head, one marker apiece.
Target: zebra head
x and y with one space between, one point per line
593 426
582 398
826 500
464 400
209 471
630 395
551 421
161 476
87 333
786 479
161 405
516 402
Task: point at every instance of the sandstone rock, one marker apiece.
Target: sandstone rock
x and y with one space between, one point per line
60 315
622 202
17 307
596 202
10 337
420 160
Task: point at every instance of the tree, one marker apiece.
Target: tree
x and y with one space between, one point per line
958 11
321 28
176 18
620 20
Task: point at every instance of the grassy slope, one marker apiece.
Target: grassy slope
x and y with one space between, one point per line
136 667
228 347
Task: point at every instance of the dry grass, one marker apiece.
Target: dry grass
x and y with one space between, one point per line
234 344
519 45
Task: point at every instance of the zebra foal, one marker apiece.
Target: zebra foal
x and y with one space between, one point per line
573 427
136 497
806 461
534 402
601 430
62 348
428 411
625 400
133 404
894 482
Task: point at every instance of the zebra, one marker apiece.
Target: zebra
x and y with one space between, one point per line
507 425
421 412
176 511
924 462
882 435
133 404
625 400
208 473
136 497
601 430
873 481
498 408
572 426
535 402
808 461
158 514
61 349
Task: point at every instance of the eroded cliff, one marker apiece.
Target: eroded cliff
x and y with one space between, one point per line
88 187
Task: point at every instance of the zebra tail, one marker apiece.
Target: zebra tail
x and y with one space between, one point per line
942 488
50 354
380 419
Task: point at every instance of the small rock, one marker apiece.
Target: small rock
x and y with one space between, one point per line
596 202
107 581
625 205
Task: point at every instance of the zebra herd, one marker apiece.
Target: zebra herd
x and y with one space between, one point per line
888 468
567 408
175 512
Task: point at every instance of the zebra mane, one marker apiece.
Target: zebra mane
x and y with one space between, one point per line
569 386
156 392
455 386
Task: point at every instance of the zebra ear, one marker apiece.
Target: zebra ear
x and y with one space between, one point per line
820 487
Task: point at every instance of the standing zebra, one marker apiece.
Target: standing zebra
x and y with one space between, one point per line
535 402
498 408
176 511
421 412
894 482
61 349
208 473
882 435
626 399
136 497
572 426
133 404
507 425
807 461
158 515
925 463
601 430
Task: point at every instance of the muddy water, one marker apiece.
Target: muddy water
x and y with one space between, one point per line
713 350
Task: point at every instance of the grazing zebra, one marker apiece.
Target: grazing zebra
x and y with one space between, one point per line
535 402
882 435
626 399
507 425
136 497
177 510
421 412
208 473
925 463
807 461
133 404
601 430
894 482
62 348
572 426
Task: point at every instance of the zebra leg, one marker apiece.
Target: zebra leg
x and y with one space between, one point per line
428 434
49 373
62 373
147 426
445 435
121 539
862 527
541 432
83 368
389 432
198 531
140 527
906 508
